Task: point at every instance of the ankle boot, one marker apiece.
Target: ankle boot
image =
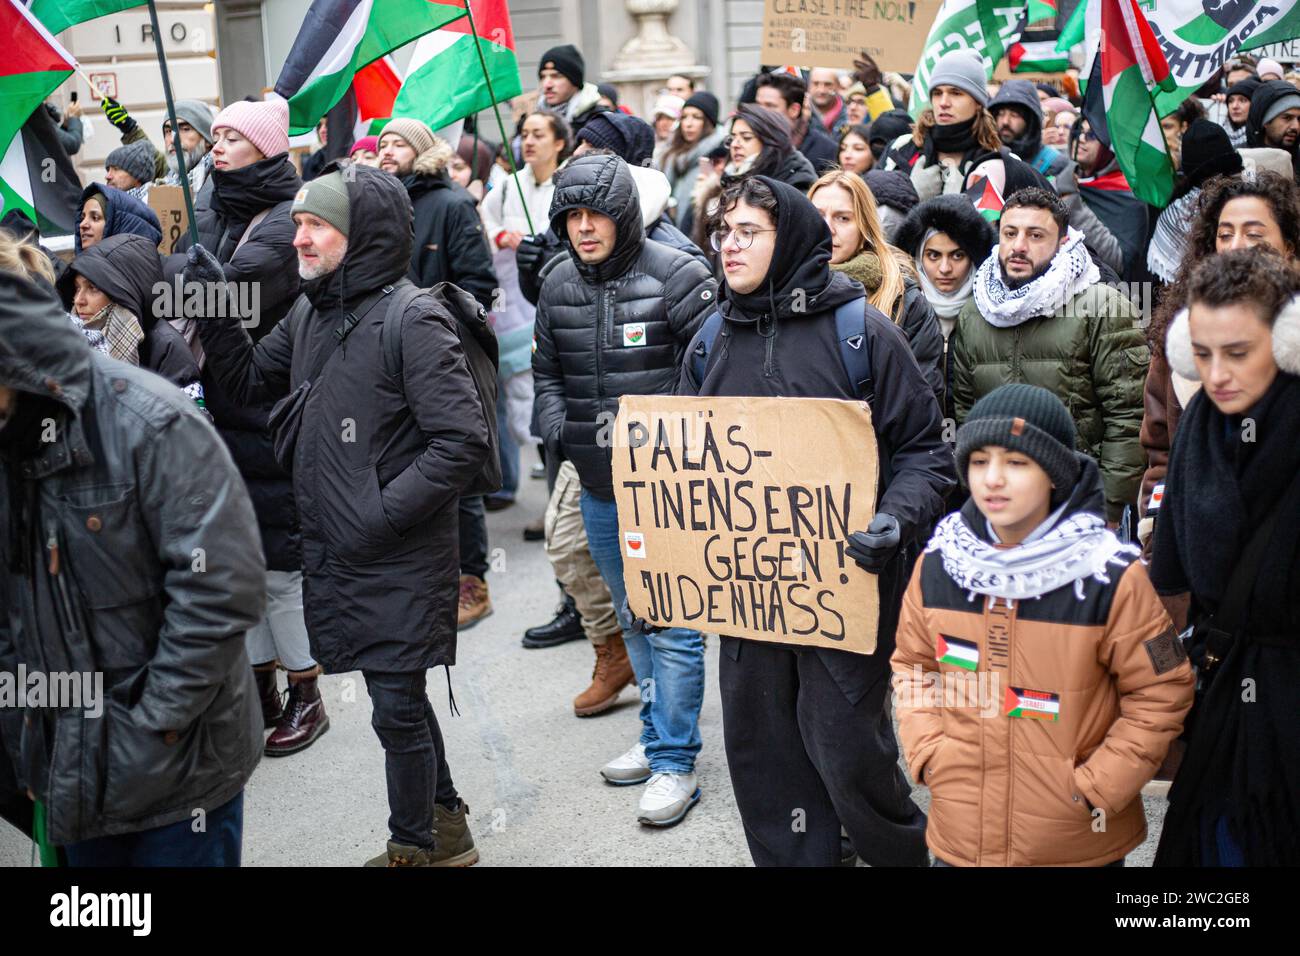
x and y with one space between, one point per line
454 844
304 716
269 693
613 672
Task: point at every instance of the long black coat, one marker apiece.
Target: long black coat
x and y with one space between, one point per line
268 259
380 462
449 243
586 355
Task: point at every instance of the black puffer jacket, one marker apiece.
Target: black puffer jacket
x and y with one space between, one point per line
126 268
134 482
449 243
269 260
379 462
614 328
780 340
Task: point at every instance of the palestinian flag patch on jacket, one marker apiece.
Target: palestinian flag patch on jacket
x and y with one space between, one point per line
1039 704
955 651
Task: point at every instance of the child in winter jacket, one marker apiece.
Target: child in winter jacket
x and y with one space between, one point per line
1039 679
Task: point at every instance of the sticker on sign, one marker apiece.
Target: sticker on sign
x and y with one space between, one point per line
634 542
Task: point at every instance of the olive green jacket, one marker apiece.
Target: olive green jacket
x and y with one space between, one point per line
1091 354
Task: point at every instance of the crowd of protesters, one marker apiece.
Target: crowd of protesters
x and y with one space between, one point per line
1086 412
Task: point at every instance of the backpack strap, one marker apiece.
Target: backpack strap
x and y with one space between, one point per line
704 340
390 333
851 330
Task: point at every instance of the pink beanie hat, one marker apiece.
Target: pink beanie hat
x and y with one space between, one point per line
265 124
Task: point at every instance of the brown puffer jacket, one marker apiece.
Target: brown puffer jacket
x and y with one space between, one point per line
1018 791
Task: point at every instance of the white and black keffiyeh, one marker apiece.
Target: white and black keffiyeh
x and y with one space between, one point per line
1169 241
1078 548
1071 271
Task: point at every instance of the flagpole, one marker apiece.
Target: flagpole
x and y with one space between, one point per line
505 142
176 127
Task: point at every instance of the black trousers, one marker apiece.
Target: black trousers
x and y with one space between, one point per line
804 759
473 537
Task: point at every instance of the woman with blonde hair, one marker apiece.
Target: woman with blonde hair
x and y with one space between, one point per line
859 250
24 259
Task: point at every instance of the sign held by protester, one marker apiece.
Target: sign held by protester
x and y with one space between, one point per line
833 33
734 515
168 203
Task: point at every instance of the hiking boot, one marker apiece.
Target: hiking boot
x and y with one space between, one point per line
612 673
668 797
535 530
564 627
269 694
304 718
474 603
632 767
401 855
454 844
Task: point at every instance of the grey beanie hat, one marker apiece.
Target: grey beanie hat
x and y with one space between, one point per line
325 196
1290 101
135 159
963 69
1027 419
197 114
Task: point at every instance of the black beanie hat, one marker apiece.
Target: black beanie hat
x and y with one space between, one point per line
1027 419
628 136
1246 87
706 103
1206 152
565 60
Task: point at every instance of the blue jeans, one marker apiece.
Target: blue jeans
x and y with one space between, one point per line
175 844
669 665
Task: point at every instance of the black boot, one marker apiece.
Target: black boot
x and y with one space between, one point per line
564 627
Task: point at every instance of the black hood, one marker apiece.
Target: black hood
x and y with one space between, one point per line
1264 97
1022 96
1088 494
603 184
124 214
41 351
799 281
240 194
886 128
1020 175
380 238
957 218
125 268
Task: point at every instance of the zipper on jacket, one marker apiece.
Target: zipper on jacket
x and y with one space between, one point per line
58 580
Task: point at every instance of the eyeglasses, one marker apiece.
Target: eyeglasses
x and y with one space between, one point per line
1088 136
744 237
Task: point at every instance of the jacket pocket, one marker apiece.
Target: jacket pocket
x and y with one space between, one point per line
109 548
358 527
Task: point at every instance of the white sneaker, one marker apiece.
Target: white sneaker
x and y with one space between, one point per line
667 799
632 767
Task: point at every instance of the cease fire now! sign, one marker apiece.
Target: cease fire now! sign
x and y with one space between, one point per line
734 515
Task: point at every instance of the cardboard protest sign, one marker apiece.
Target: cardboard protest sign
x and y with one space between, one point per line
734 515
168 202
832 33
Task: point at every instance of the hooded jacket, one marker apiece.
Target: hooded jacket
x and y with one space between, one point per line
126 268
1022 96
124 215
449 242
99 531
1265 95
780 340
1015 791
379 463
611 328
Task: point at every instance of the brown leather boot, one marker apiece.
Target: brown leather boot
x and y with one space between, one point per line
304 716
474 603
612 673
455 844
269 693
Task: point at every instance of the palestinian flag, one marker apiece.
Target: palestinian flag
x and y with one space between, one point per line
338 38
376 88
984 195
1072 31
445 81
1127 64
34 64
58 15
1040 704
1035 49
1041 13
986 26
955 651
50 201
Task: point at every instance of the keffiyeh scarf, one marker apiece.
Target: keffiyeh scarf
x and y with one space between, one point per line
1071 271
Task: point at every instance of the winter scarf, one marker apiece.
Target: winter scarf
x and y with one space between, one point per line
1071 271
114 331
946 305
1053 556
953 138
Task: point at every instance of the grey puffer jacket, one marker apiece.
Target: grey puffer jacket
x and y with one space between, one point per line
130 550
619 327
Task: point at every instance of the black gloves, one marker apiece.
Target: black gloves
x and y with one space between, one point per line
874 548
866 72
529 253
202 266
639 624
117 115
